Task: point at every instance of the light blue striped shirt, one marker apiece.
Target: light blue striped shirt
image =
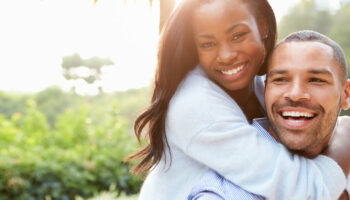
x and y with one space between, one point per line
215 187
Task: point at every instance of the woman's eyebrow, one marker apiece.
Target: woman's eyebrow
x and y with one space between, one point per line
205 36
231 28
227 31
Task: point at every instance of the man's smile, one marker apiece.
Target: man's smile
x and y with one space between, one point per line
296 118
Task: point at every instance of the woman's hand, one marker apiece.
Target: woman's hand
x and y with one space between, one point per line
339 147
344 196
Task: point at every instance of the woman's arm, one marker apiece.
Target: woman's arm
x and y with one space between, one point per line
339 148
208 126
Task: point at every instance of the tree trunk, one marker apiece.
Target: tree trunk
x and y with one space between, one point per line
165 8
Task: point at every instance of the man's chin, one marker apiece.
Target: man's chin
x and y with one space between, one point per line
295 142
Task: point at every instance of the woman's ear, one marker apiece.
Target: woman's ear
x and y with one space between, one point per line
345 101
264 33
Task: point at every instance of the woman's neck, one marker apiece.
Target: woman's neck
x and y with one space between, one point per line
247 101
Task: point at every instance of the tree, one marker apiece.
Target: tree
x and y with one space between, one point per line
53 101
306 15
165 8
89 70
340 32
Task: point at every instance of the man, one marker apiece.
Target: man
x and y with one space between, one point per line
306 87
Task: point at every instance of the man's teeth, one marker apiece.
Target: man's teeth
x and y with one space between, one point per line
233 71
297 114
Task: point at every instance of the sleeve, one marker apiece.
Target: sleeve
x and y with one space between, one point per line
348 186
205 195
210 128
214 186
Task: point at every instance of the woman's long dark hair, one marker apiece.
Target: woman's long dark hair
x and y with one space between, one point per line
176 57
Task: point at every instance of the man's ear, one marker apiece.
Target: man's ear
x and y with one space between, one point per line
345 101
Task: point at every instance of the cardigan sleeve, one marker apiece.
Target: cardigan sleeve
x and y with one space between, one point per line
210 128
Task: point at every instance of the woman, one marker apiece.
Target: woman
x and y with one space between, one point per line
204 98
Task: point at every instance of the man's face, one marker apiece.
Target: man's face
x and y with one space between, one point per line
304 94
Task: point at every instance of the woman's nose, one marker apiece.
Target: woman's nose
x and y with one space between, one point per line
226 54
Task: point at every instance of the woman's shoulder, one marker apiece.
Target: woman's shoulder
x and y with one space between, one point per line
199 89
197 93
198 103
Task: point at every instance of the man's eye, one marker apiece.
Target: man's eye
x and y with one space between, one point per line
206 45
238 36
317 80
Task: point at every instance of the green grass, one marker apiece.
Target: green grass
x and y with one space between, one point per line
113 196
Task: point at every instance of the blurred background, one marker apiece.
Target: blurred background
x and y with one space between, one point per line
75 74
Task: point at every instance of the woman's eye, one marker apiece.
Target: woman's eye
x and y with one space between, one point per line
279 80
238 36
206 45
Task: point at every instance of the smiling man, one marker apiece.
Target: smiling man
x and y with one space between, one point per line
306 87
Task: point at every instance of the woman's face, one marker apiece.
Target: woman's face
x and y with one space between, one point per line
228 42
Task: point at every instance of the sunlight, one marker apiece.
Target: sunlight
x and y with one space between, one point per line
37 34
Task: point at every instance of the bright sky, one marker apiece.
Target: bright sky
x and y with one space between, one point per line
36 34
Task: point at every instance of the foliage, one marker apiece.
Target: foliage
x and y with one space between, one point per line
89 70
53 102
111 194
11 103
340 31
306 15
76 158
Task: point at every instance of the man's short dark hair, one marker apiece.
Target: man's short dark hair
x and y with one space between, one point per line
312 36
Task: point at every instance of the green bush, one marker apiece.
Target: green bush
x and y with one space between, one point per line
76 158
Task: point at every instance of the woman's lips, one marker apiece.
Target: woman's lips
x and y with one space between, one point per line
233 70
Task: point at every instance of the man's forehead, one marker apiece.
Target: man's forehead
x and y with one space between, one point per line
301 54
306 46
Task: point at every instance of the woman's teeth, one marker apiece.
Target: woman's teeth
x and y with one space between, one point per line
233 71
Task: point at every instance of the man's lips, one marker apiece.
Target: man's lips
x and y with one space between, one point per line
296 118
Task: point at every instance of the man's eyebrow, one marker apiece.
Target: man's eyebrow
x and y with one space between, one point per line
276 72
320 71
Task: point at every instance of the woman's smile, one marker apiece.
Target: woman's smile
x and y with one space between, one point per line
229 44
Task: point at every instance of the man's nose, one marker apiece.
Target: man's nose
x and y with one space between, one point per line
226 54
297 91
